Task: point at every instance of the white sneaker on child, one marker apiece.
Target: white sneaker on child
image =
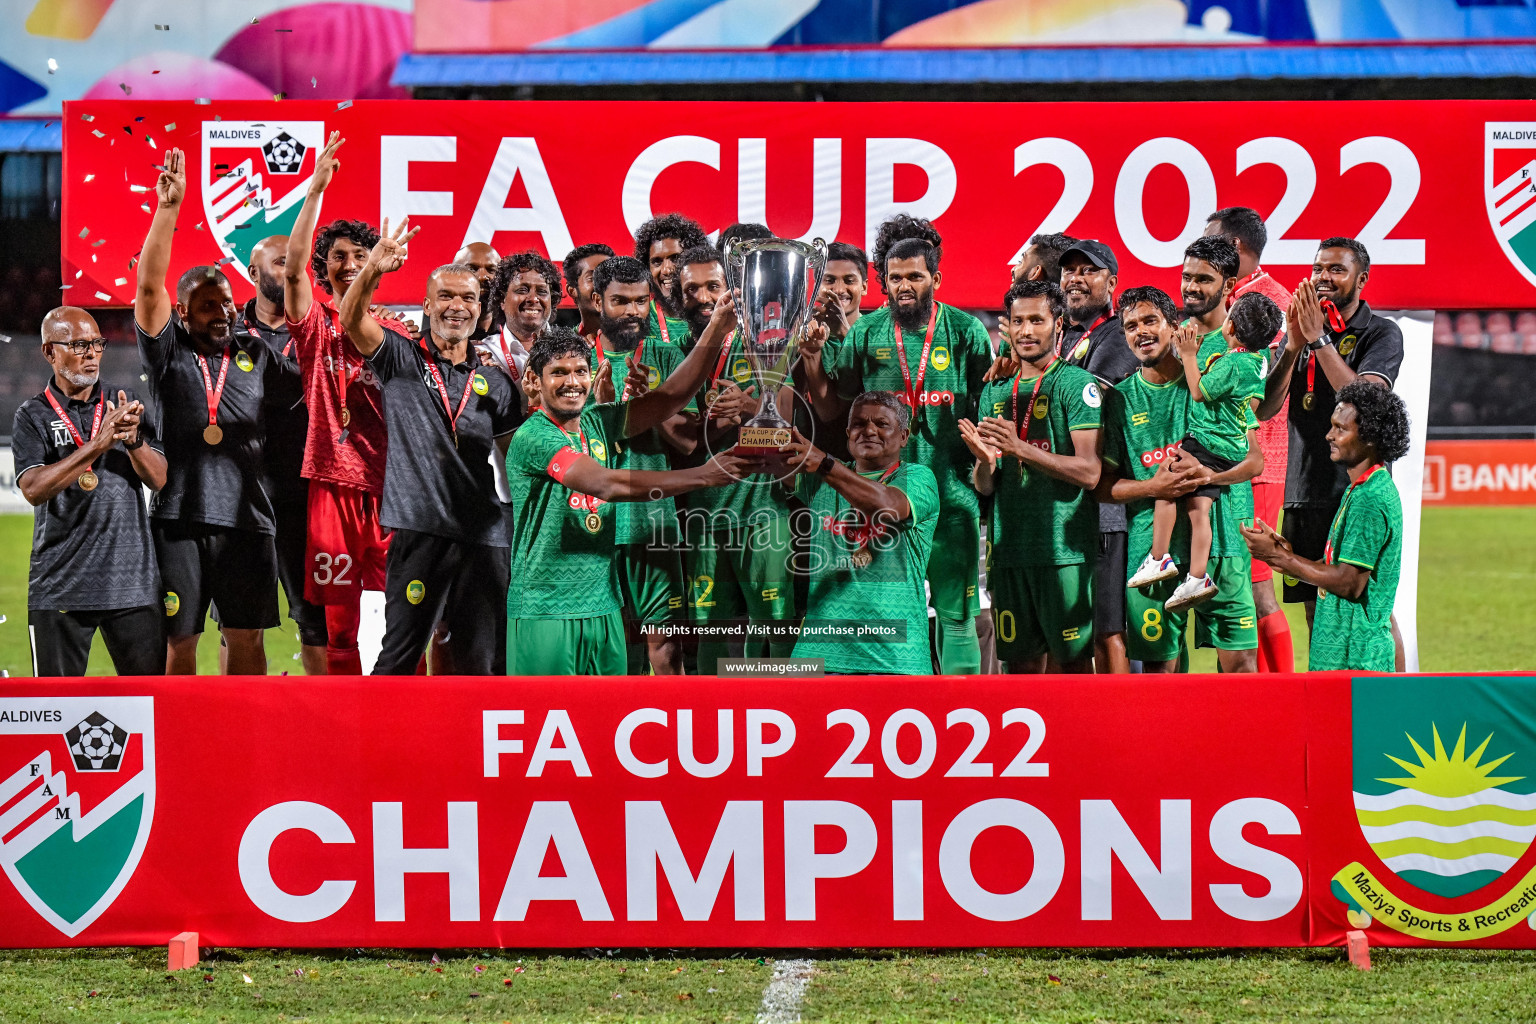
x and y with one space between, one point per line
1191 592
1154 570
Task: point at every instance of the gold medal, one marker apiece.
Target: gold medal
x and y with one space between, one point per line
346 416
88 481
213 433
861 558
1306 401
593 522
711 397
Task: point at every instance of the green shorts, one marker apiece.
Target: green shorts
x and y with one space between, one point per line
1227 621
954 565
1152 634
566 647
743 574
650 582
1042 609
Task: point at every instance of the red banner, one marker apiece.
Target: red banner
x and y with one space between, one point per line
1421 183
1480 473
1069 812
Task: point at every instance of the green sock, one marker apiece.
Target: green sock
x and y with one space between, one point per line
959 650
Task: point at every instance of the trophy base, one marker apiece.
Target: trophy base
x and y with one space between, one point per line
761 442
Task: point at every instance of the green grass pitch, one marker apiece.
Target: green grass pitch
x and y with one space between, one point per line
1478 586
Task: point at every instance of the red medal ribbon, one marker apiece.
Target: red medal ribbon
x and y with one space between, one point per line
1343 506
922 365
1029 411
442 391
864 529
661 325
725 355
101 407
212 391
584 501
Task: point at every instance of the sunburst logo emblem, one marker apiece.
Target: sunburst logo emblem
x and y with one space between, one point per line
1450 827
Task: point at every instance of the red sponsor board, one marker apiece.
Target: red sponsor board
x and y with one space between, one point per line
1106 811
1480 473
1410 179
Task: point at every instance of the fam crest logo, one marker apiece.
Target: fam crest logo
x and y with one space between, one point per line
1451 829
77 795
1509 188
254 177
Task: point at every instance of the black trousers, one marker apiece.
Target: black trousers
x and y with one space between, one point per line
430 579
61 641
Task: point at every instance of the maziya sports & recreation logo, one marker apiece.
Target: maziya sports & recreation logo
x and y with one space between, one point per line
1509 187
77 795
254 178
1451 828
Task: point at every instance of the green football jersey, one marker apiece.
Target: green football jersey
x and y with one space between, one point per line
959 357
1366 532
668 331
888 590
1144 422
563 545
1229 381
638 522
1036 518
756 497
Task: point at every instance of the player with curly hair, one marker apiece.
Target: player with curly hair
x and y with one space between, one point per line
658 244
522 296
344 454
900 228
1357 578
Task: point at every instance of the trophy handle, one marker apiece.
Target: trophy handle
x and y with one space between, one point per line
818 261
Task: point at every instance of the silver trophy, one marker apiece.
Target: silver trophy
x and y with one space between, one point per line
775 281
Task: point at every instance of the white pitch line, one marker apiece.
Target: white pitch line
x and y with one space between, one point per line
782 997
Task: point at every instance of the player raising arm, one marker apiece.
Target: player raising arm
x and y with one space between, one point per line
1356 579
564 605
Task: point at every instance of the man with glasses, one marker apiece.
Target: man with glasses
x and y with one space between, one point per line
83 451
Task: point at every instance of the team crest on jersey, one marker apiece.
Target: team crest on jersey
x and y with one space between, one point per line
1509 188
480 384
415 591
1447 830
61 435
652 377
741 370
243 361
172 602
1348 344
254 178
1042 407
1082 348
939 358
599 450
77 779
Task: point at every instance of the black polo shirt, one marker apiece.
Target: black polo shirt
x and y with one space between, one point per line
1369 344
287 415
1103 353
91 550
219 485
430 485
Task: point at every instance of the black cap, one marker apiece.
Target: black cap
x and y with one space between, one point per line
1096 252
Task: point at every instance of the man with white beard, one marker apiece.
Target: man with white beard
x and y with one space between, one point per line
445 412
83 452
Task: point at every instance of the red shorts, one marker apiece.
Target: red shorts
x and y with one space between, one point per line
346 548
1267 498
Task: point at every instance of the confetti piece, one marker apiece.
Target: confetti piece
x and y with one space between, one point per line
87 117
155 72
143 376
53 65
79 274
247 979
295 657
145 208
506 981
314 83
479 969
104 297
1052 979
128 128
162 28
202 101
92 994
439 970
127 89
683 997
64 286
255 21
343 105
98 133
199 226
223 260
99 241
138 120
434 955
85 232
93 257
171 127
138 188
282 30
517 970
90 177
5 339
120 282
279 96
207 977
149 140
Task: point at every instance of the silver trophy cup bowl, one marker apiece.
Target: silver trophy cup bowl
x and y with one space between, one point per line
775 281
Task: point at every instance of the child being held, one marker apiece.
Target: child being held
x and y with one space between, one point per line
1225 394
